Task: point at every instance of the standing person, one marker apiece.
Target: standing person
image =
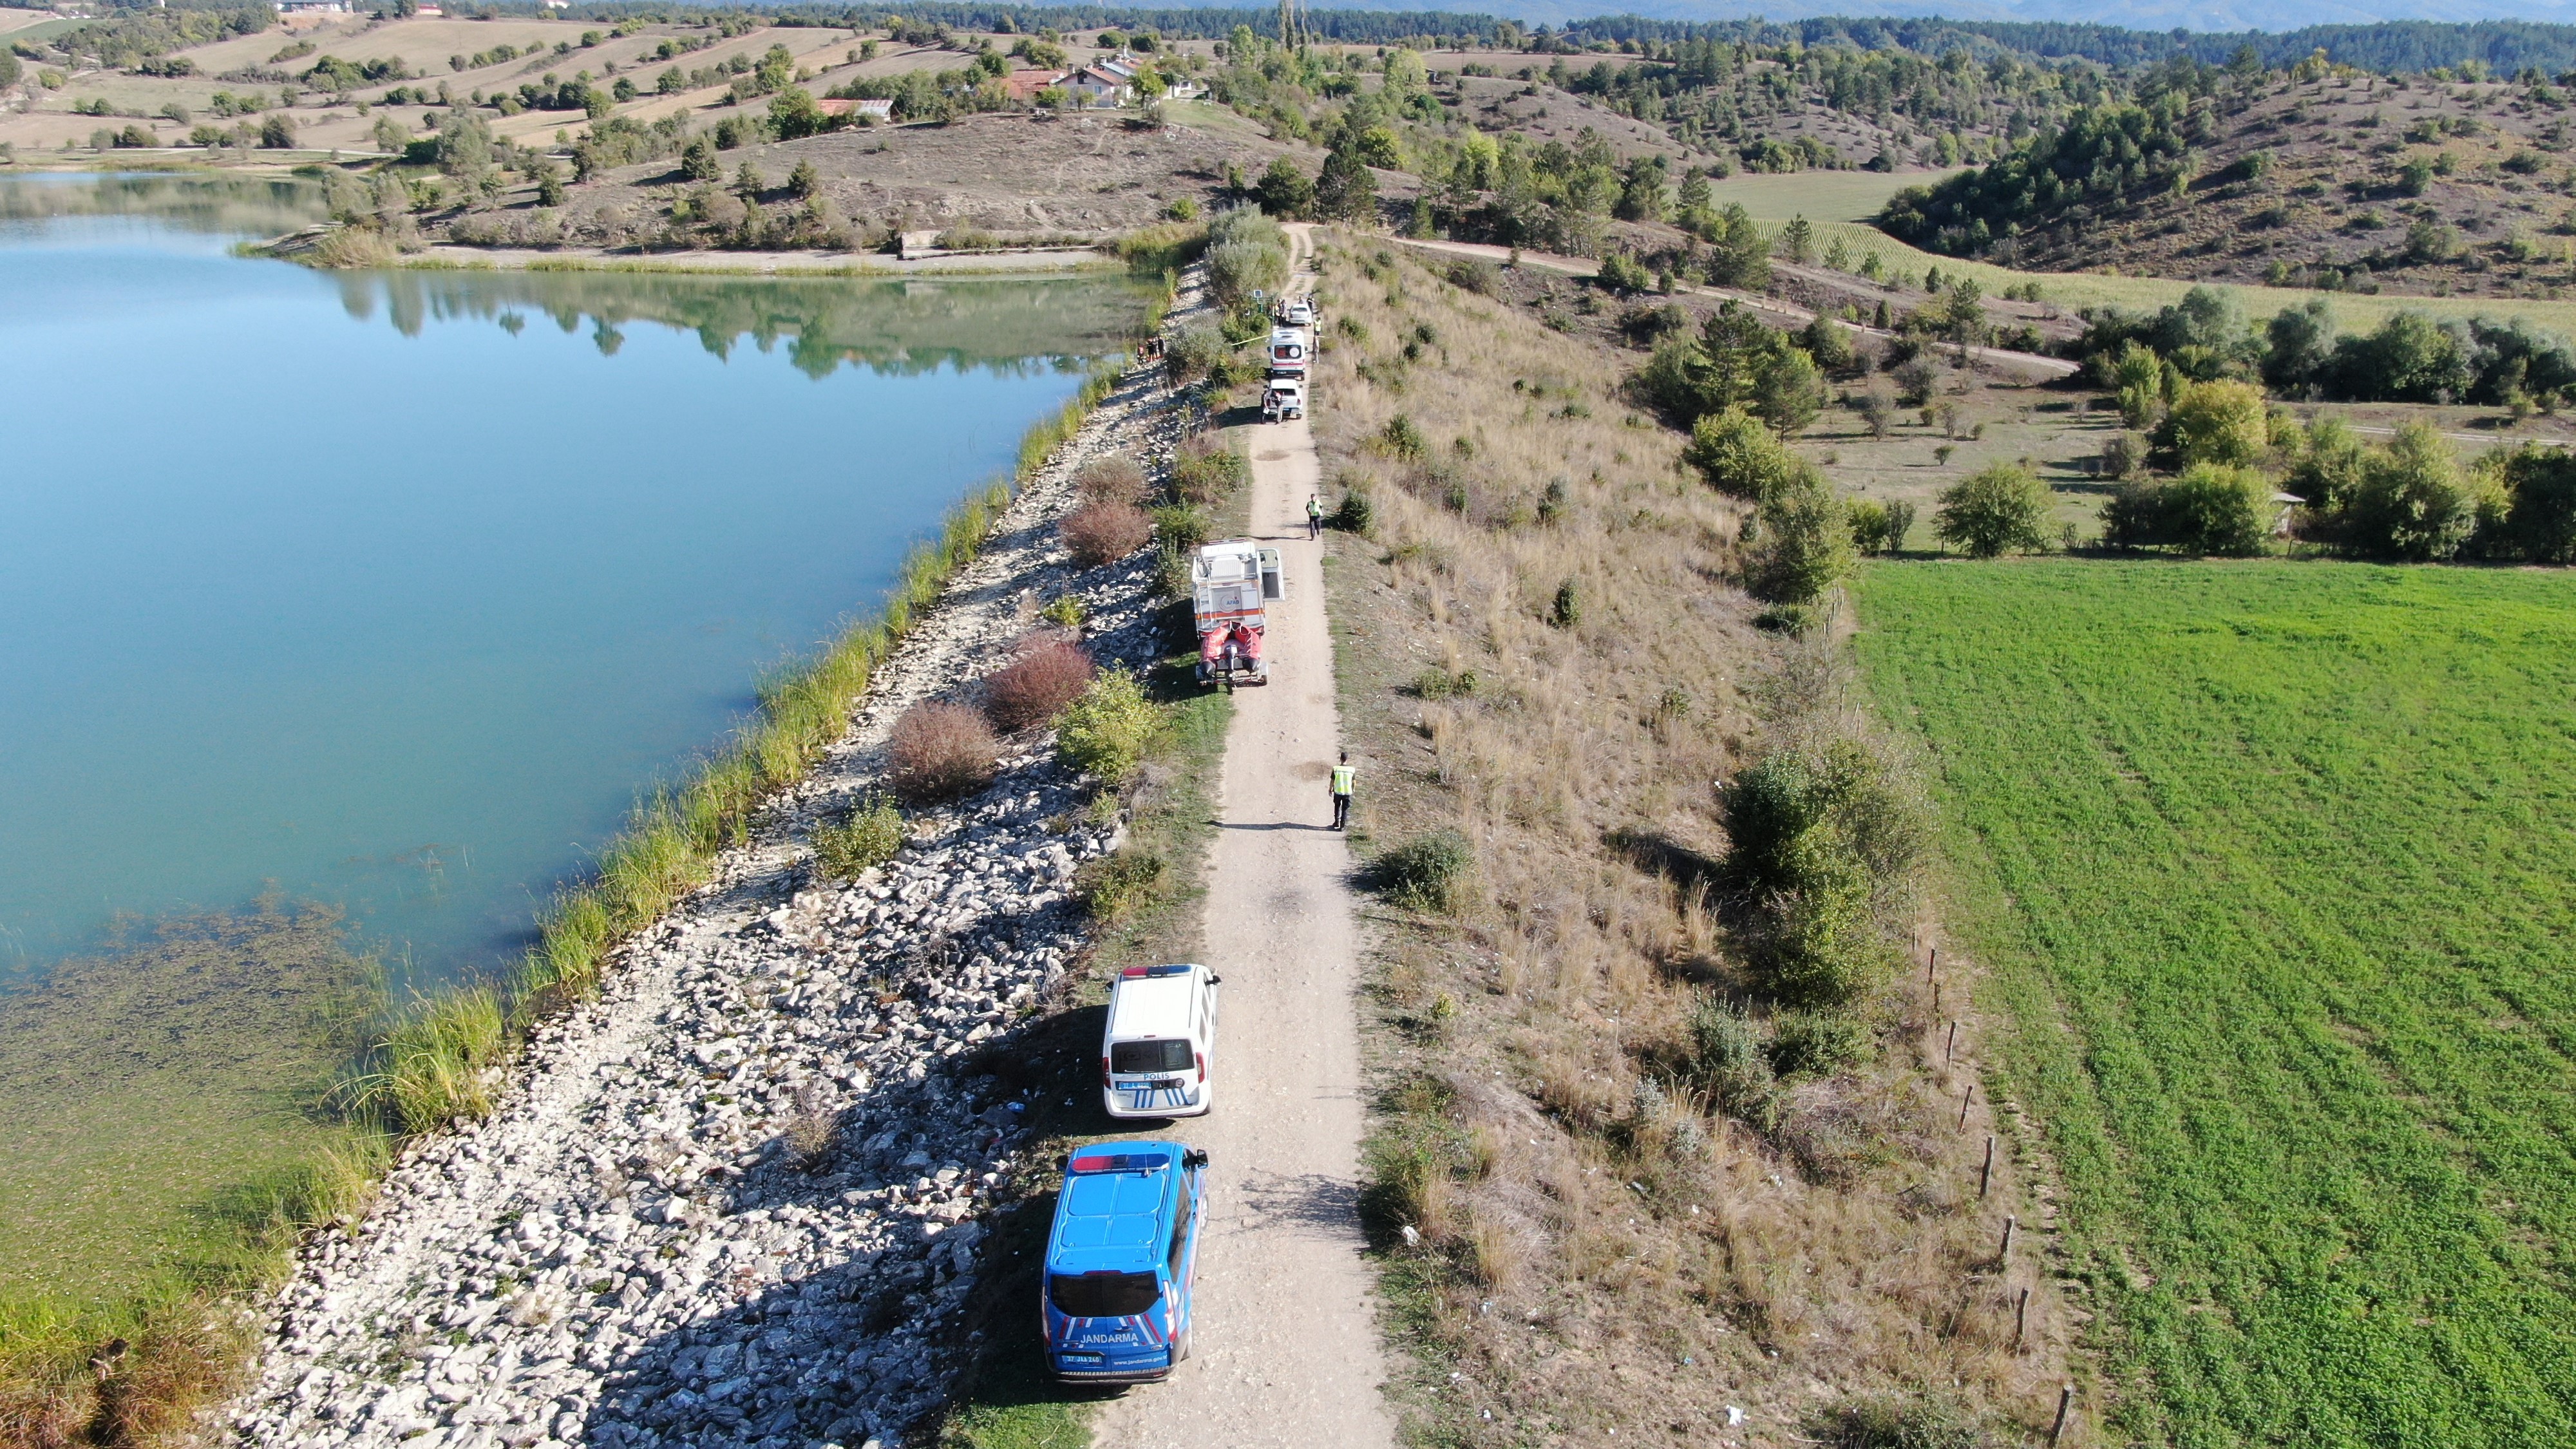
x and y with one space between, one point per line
1314 517
1343 778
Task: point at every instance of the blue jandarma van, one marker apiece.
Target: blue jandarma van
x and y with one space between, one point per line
1120 1259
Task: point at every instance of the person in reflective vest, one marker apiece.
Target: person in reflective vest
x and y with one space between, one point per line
1343 778
1314 516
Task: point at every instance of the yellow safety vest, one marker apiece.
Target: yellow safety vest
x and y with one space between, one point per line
1342 777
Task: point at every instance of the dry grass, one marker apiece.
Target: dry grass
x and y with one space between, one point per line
940 749
1102 532
1597 1248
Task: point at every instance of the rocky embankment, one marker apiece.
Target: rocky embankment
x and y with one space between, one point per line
734 1200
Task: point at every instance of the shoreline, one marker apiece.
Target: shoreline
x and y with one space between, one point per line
665 1246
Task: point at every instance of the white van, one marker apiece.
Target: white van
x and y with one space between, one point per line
1154 1054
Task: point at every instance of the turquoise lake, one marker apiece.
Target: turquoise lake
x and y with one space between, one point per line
391 591
343 616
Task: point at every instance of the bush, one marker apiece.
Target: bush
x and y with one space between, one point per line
1727 1056
1112 885
1048 675
1566 609
1099 533
1106 730
1468 274
1355 514
1111 480
1821 839
1805 542
1819 1043
2412 502
2001 510
1180 529
1868 524
1624 275
1893 1423
1208 470
1197 350
2217 422
1426 873
866 838
2211 509
1738 456
940 749
1402 438
2540 523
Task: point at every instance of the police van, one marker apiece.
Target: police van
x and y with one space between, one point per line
1154 1052
1121 1260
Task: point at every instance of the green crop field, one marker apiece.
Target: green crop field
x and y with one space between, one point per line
2272 872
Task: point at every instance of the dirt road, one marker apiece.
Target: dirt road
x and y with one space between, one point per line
1284 1349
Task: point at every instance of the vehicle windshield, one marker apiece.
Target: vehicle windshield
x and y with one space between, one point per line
1150 1056
1102 1295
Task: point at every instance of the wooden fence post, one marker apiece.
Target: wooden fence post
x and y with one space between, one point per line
1965 1098
1950 1052
2021 1319
2065 1400
2003 1255
1986 1174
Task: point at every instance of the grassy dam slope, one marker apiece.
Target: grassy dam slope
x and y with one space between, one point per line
2273 869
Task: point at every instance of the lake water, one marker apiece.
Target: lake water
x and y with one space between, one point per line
388 593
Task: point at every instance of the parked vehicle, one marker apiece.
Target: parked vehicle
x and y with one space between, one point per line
1121 1261
1154 1051
1289 351
1232 585
1283 400
1296 312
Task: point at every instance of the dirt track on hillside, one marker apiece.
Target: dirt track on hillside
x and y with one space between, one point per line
1284 1348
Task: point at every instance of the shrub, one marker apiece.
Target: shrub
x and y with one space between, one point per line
1738 456
1180 529
1819 1043
1197 350
940 749
1106 730
1047 675
1401 438
1065 611
1114 479
1805 542
1112 885
2211 508
1837 789
1355 513
1099 533
2217 422
1426 873
1468 274
1209 470
1893 1423
2412 501
2123 454
1624 275
1726 1055
1868 524
2003 509
1566 609
2540 524
864 839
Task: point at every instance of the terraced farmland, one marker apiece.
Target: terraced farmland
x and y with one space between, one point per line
2273 868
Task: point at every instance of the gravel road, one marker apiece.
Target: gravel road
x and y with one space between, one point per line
1285 1349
